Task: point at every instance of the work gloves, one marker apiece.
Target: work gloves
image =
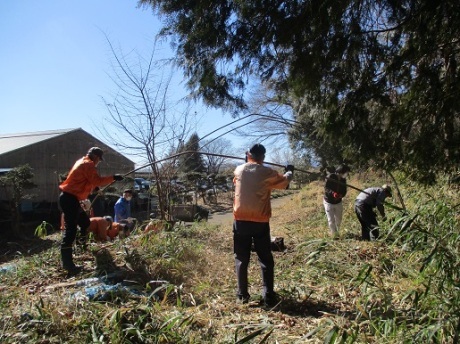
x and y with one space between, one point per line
288 168
86 204
336 195
117 177
289 173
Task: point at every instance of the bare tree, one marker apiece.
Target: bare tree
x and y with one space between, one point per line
218 146
270 119
142 121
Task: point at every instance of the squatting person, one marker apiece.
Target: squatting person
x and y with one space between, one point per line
104 229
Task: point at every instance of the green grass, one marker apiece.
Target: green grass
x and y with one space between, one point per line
403 288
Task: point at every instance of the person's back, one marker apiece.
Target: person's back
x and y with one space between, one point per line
253 185
252 211
365 203
335 190
371 196
98 226
83 178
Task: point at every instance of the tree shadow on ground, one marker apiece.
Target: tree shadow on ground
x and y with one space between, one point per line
12 248
218 207
309 308
221 210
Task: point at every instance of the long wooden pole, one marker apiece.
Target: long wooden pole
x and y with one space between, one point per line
238 158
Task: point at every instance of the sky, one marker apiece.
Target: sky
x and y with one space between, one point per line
55 63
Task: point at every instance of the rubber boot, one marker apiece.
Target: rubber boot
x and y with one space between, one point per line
81 243
67 262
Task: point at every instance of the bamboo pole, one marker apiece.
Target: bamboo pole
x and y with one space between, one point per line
239 158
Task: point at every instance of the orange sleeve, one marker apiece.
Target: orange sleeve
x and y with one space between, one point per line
93 177
83 178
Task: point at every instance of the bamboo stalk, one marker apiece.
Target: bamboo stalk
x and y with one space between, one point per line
237 158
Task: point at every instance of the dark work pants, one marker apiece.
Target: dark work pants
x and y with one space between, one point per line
368 219
244 234
74 216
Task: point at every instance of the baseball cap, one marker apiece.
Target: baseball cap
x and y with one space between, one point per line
387 189
96 151
257 150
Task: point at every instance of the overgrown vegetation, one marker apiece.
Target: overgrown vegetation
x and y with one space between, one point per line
401 289
376 83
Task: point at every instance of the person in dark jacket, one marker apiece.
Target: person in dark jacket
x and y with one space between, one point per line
335 190
365 203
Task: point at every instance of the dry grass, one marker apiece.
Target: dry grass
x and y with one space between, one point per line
326 295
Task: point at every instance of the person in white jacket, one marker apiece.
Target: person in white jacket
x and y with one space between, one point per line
252 211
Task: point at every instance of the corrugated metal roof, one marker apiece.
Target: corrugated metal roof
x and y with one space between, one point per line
11 142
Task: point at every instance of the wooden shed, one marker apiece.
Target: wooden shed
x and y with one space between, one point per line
53 153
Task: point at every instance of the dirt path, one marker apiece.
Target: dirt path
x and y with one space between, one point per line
226 218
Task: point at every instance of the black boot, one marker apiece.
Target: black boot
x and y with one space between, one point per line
82 238
67 262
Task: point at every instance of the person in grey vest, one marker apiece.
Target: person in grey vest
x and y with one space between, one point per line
365 203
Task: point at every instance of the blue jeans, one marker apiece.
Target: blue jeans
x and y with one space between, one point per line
244 234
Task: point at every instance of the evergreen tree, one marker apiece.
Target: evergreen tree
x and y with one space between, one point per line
377 81
17 182
192 162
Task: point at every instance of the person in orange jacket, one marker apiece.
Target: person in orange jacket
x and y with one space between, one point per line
252 211
81 180
104 229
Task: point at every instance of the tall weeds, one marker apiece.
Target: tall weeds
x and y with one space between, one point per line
428 309
404 288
